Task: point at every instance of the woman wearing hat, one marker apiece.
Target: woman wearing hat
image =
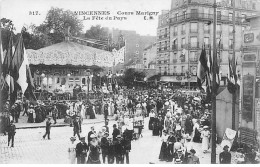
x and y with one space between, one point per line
94 151
151 119
205 135
72 150
163 152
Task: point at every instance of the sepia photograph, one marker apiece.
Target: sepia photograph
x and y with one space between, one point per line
129 82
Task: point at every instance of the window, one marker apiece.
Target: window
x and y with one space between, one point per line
137 52
175 30
231 44
182 69
218 28
230 29
194 42
206 41
230 15
253 6
174 56
183 42
218 14
193 27
137 45
183 29
206 28
71 79
83 81
243 28
206 12
194 13
184 14
176 16
174 69
193 56
58 80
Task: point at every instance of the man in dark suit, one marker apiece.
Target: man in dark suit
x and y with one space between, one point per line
76 127
119 150
116 132
48 128
90 133
54 113
225 156
11 129
126 142
104 146
81 151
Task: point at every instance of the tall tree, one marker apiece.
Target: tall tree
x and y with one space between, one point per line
57 22
97 32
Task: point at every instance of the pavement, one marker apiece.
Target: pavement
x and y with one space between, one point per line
22 122
30 148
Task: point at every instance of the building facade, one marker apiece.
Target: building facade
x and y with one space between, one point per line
135 43
163 43
149 56
191 27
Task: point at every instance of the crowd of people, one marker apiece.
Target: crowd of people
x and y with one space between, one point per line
180 117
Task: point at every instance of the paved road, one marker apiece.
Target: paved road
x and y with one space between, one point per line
32 149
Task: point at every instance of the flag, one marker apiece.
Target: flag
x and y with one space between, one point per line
21 73
202 68
237 75
230 79
7 63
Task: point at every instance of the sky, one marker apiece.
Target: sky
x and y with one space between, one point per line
19 12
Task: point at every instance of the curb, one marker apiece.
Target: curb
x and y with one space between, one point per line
61 125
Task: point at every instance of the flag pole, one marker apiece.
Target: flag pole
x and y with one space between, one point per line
213 119
233 65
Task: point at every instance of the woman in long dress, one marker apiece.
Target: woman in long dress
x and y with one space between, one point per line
205 135
72 151
196 132
163 152
94 154
151 119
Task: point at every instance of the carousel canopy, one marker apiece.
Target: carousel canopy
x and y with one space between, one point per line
70 53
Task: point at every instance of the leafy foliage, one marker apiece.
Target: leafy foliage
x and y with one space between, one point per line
97 32
131 76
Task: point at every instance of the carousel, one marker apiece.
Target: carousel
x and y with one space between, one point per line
64 70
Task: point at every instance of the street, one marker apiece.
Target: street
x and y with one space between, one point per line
30 148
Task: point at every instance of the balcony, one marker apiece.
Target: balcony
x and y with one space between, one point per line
194 45
174 47
203 17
